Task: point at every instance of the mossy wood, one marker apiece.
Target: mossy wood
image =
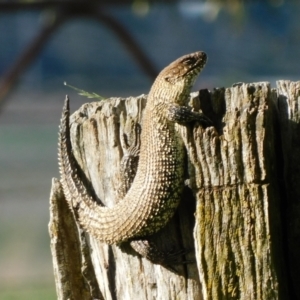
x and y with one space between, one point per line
243 189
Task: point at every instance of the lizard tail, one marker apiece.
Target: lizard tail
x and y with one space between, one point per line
102 222
75 192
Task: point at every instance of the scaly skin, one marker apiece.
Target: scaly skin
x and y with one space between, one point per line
155 192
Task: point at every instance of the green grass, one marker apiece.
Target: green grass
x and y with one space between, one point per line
28 293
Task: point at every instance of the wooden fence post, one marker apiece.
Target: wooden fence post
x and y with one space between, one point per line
239 175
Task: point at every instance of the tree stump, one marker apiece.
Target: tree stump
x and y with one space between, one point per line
239 210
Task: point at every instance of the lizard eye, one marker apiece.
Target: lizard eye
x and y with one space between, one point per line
189 61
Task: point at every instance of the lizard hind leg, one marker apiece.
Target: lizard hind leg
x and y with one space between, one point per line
148 249
129 162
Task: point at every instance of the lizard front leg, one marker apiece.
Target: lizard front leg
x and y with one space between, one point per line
184 115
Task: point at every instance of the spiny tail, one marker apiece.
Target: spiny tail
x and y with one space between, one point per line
74 189
101 222
65 155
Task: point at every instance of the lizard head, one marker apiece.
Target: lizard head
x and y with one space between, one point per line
175 81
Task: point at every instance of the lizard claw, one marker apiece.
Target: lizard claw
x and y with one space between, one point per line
204 120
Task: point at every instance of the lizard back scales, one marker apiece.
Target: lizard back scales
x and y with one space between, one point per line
155 192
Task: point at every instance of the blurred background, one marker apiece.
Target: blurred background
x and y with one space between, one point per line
112 48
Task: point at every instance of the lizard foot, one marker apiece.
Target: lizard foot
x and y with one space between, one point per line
150 251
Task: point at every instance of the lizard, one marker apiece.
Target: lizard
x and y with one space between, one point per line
155 192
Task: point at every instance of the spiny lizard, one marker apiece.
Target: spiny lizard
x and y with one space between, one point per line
155 192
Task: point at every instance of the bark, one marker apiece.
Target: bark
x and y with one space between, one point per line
243 176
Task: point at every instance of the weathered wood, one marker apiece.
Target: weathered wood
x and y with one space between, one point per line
237 195
236 174
70 252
